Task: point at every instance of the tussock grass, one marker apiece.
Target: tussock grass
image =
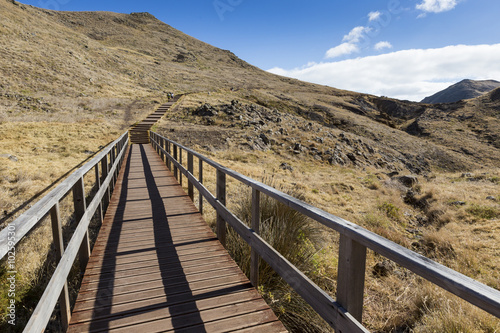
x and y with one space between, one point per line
295 237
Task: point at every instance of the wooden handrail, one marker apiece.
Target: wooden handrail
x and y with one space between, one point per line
354 242
29 219
57 289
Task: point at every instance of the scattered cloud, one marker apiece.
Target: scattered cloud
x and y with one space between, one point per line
382 45
436 6
342 49
355 35
373 16
350 43
409 74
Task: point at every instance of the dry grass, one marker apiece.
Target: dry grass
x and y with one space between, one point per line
45 153
431 223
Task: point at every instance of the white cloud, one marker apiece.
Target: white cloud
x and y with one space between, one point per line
373 16
342 49
355 35
382 45
410 74
349 44
437 6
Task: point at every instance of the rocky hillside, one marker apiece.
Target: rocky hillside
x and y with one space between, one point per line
81 63
465 89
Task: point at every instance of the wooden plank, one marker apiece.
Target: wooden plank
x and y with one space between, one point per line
171 273
228 283
153 308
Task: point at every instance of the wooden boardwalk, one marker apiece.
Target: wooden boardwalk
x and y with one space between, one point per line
157 266
139 133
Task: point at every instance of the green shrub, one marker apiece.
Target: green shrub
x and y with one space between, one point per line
483 212
390 210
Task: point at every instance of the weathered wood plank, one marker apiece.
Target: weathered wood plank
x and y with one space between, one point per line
170 273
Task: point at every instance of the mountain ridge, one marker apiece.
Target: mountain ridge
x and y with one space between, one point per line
465 89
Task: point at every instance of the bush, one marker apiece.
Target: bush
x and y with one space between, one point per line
293 236
483 212
390 210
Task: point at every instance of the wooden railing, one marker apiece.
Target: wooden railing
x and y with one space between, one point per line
343 314
106 166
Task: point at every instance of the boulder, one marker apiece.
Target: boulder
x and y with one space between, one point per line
264 139
408 181
383 268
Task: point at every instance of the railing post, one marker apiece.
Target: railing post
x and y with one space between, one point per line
117 170
190 169
221 197
254 257
200 178
59 246
98 184
175 167
112 157
162 146
351 276
169 165
80 207
180 162
105 170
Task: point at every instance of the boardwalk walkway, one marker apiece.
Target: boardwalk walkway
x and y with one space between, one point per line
157 266
139 132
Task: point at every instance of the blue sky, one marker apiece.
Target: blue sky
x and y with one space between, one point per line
406 49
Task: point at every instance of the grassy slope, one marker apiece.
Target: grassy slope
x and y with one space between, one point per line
90 75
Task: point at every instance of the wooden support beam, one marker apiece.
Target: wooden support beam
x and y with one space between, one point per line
200 179
105 171
351 276
80 207
254 257
57 235
190 169
98 185
221 197
180 162
176 172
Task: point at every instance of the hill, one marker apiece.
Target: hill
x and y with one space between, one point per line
73 81
465 89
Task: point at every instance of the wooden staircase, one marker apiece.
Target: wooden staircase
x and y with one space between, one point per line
139 133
